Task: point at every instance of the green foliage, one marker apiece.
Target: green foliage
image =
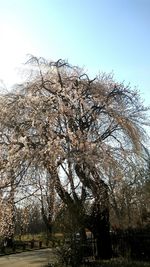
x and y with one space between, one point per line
69 254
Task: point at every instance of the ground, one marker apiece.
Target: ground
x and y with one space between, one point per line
28 259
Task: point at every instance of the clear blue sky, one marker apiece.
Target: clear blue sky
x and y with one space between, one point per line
101 35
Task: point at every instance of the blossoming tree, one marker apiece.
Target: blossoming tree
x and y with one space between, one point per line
71 129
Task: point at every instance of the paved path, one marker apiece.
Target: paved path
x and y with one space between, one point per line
35 258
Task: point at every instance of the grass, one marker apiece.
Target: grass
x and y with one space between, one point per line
120 263
28 237
108 263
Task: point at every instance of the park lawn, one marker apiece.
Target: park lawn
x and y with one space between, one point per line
109 263
121 263
28 237
41 236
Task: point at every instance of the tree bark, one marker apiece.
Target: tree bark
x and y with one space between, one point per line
101 231
98 222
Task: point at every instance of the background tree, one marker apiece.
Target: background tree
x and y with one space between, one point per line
129 194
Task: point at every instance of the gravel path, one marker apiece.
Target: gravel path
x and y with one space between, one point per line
35 258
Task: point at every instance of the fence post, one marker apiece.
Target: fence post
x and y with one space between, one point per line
40 244
32 243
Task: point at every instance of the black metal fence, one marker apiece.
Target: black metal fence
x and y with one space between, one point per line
129 244
16 246
134 244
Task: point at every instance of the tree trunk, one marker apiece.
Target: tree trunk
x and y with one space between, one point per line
47 221
99 226
98 221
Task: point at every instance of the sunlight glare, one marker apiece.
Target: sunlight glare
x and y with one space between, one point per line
14 47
